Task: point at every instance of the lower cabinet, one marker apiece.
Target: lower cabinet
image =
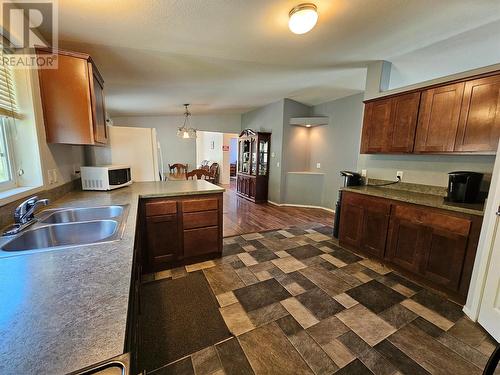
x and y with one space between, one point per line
163 239
437 246
363 223
181 230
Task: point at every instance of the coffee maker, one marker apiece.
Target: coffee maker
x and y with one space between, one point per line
350 179
464 187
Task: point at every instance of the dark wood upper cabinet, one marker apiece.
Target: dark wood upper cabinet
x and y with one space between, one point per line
461 116
479 126
389 125
73 100
404 122
438 119
376 126
98 107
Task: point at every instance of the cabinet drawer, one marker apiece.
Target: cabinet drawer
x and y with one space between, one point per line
433 219
156 208
365 201
201 241
200 219
194 205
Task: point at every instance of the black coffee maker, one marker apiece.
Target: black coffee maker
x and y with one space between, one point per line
350 179
464 187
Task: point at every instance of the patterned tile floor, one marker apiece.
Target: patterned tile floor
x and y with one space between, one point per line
297 303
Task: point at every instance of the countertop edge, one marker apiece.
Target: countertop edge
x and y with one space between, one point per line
386 194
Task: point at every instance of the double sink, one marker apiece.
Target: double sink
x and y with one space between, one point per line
67 227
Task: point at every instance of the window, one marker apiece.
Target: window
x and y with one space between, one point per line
9 112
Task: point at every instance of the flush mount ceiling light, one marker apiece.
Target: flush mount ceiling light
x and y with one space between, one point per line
185 131
303 18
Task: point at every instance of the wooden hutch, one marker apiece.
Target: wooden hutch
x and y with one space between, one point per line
253 165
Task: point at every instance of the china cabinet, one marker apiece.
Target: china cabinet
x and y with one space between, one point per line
253 165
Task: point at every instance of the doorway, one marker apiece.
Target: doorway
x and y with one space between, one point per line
216 147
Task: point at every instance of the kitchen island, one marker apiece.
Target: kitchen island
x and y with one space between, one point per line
67 308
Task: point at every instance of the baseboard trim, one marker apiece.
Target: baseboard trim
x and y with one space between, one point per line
300 205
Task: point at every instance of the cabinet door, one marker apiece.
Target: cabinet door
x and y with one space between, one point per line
251 188
405 243
479 126
443 257
66 101
98 106
404 123
162 239
376 126
374 234
438 118
351 225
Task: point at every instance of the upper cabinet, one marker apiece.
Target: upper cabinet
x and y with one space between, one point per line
389 125
438 120
73 101
459 117
479 125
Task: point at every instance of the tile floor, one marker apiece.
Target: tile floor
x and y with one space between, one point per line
297 303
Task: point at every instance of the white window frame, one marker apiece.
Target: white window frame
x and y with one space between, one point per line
5 137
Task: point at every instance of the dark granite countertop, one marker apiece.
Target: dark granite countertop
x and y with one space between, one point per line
65 309
423 199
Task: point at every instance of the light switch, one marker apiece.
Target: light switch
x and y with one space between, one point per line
278 164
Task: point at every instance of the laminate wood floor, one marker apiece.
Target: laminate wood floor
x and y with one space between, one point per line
242 216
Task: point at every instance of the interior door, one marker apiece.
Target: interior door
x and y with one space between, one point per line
489 314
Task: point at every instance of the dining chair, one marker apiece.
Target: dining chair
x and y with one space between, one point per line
200 174
178 168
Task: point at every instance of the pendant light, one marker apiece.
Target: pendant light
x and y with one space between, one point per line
303 18
185 131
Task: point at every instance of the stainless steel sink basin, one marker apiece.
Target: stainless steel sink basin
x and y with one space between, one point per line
69 234
71 215
68 227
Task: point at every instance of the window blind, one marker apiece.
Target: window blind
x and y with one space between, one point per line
8 100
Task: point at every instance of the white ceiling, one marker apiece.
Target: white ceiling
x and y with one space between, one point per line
234 55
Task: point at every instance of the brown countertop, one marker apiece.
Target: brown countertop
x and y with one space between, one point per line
429 200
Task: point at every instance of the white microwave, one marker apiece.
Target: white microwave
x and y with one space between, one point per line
105 177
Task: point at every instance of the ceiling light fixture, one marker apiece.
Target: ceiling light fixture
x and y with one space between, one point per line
184 131
303 18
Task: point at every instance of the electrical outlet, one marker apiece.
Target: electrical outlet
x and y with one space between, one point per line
318 165
54 175
50 179
363 172
400 175
273 154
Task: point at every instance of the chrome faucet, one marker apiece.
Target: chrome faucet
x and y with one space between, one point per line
24 215
25 211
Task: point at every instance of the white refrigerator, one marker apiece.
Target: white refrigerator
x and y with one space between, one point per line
139 148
